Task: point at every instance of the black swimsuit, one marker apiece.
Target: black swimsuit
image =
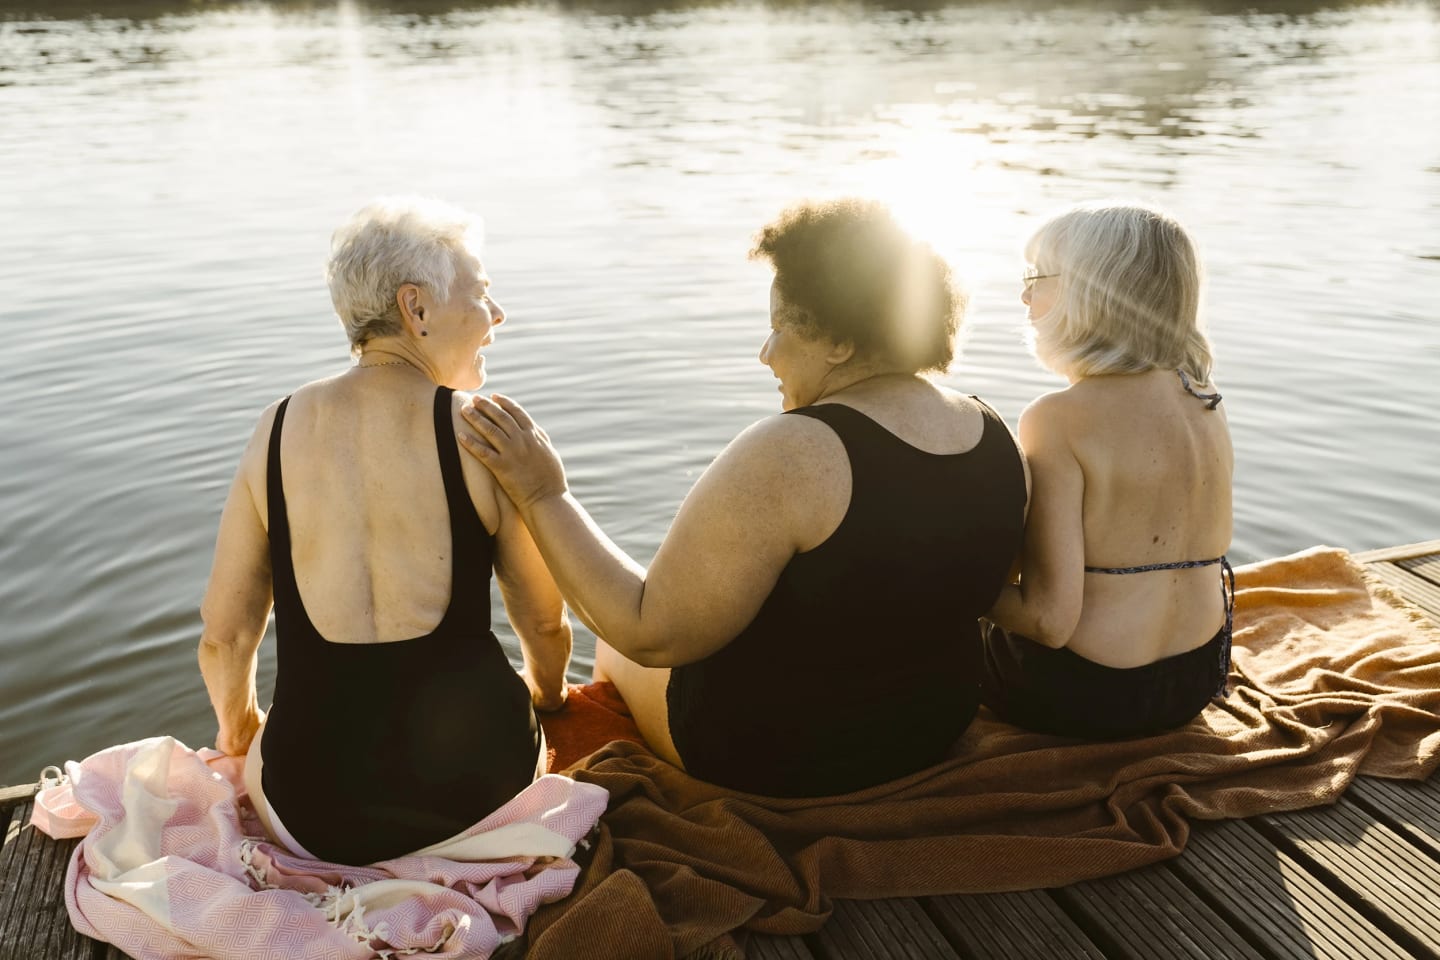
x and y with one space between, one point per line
374 750
863 663
1061 692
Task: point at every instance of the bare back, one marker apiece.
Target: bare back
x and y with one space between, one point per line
369 523
1157 466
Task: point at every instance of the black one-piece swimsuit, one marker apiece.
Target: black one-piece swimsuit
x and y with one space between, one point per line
375 750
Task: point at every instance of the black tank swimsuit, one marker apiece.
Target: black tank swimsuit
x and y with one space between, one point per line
375 750
1058 691
863 664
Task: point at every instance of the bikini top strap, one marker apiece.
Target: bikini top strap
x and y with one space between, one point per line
1146 568
1227 590
1213 398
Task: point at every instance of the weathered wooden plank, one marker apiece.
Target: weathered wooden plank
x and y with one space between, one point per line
26 917
14 796
1149 913
1273 901
45 896
1426 567
19 863
1001 926
1402 552
33 919
66 942
881 930
777 948
1372 867
14 856
1408 807
1422 593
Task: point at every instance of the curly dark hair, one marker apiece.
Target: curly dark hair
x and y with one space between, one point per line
850 273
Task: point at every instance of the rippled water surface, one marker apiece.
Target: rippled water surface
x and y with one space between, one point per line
172 173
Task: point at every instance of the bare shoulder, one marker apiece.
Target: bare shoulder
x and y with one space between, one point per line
788 446
254 460
956 400
258 446
785 476
1051 412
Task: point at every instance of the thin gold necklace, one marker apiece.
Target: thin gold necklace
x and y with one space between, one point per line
383 363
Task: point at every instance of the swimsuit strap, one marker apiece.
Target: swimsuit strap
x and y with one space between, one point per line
1227 593
1213 398
1227 590
1146 568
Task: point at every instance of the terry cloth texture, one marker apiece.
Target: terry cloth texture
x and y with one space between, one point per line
174 865
1331 677
594 715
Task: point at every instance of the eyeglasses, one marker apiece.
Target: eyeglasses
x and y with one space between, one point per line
1031 278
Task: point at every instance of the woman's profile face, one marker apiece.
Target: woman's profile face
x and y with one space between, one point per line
797 361
465 323
1039 293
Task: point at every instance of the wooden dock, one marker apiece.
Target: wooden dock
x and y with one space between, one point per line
1359 879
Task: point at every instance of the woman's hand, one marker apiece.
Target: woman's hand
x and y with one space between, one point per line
236 742
546 701
514 448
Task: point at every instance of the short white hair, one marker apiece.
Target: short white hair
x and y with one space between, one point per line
1128 296
386 244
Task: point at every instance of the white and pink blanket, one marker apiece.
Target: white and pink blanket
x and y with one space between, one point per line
174 864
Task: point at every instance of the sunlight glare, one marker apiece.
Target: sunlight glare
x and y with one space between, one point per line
945 187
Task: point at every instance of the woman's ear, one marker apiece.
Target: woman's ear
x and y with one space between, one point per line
839 353
412 311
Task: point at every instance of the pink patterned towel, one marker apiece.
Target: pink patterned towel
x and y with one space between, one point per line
170 869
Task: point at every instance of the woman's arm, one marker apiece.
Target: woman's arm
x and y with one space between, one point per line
733 535
535 608
237 601
1045 605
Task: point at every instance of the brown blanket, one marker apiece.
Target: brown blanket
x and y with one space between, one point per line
1331 677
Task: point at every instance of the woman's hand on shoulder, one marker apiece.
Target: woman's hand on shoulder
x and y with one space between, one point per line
515 448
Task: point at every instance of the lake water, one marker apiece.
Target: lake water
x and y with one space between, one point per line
172 172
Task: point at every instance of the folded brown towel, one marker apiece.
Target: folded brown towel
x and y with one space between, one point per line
1332 676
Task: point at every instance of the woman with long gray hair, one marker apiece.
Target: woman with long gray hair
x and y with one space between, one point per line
1120 622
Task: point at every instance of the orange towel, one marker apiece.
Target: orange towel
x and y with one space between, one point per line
593 716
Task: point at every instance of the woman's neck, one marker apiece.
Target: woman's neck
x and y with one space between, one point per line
861 379
396 355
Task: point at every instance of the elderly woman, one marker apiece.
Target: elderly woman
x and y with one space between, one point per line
1120 623
808 626
397 720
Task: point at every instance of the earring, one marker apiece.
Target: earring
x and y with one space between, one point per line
424 333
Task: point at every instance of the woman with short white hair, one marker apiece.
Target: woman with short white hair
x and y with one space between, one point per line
1120 623
397 721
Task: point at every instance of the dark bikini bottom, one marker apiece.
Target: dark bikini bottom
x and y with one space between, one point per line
1060 692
